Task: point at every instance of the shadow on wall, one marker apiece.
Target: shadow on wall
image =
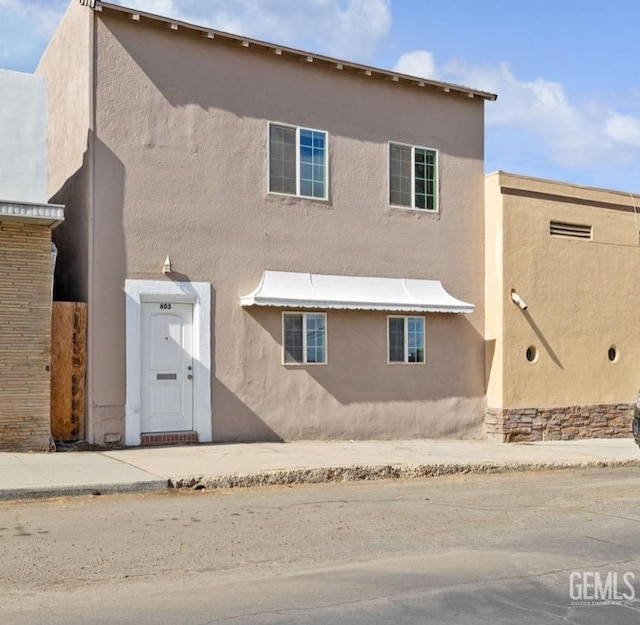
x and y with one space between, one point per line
358 372
489 353
231 419
188 70
234 421
541 338
91 248
490 348
71 237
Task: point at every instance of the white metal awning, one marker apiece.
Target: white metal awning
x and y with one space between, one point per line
306 290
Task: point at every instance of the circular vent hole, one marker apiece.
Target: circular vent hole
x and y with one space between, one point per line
612 354
532 353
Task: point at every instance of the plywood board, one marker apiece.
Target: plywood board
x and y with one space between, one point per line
68 369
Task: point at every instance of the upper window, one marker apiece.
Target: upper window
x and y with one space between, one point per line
304 338
298 161
413 177
406 339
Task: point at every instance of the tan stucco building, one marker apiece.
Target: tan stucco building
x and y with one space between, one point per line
562 309
272 244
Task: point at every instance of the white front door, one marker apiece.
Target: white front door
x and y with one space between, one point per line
167 367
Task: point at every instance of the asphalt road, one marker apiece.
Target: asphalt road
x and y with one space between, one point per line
533 548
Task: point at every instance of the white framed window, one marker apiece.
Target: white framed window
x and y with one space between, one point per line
298 161
413 177
304 338
405 339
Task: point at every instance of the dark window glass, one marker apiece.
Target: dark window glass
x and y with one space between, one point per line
282 159
293 338
305 331
396 339
400 175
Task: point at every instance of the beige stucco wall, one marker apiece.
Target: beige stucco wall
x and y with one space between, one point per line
181 170
582 295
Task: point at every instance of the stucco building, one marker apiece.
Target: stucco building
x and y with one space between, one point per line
26 220
562 309
272 244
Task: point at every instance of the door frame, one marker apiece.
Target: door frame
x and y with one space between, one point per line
196 293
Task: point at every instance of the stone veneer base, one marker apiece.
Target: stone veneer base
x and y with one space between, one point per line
510 425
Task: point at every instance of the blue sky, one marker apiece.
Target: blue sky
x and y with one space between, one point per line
565 71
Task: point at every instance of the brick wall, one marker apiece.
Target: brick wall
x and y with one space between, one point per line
25 336
563 423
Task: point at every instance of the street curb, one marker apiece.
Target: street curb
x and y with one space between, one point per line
355 473
50 492
318 475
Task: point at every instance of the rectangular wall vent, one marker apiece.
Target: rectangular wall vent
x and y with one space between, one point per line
573 231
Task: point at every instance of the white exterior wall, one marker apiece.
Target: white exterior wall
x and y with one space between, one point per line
23 129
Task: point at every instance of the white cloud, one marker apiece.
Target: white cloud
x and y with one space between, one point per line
25 28
158 7
419 63
45 14
350 29
540 115
623 129
344 28
534 124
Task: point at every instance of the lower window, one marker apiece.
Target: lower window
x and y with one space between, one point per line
304 338
406 339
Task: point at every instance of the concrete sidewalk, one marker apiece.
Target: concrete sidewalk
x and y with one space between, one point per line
27 475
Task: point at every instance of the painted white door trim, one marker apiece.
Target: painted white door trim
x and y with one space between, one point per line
196 293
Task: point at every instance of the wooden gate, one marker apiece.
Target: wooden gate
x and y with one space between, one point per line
68 366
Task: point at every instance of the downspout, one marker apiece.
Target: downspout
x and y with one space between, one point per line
90 422
54 256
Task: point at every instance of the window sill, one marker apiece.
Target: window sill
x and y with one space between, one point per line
293 196
400 364
408 209
296 365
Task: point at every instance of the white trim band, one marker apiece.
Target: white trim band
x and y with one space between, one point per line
45 214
